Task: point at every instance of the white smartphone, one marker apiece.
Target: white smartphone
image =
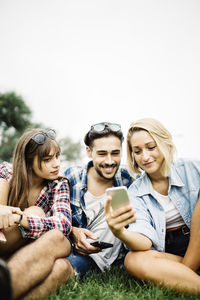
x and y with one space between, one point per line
119 196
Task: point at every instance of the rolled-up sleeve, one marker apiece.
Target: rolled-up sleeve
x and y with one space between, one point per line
6 171
143 224
58 216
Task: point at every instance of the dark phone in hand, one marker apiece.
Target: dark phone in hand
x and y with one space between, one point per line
101 245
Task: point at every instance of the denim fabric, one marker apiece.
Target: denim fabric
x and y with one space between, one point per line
82 264
78 181
184 191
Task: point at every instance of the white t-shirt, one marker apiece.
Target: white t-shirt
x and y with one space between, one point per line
173 217
98 225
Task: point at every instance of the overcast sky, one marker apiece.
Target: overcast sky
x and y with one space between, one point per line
80 62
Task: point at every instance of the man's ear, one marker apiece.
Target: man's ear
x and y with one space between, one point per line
88 151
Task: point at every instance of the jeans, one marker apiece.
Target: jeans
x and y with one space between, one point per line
82 263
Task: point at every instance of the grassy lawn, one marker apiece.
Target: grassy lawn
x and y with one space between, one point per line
113 285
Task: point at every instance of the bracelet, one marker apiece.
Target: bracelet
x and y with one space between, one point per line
20 219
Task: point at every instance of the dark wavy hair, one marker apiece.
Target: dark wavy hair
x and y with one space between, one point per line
92 135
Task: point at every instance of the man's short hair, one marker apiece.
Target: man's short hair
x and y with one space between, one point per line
101 130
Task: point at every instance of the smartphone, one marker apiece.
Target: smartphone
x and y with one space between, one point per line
119 196
101 245
2 237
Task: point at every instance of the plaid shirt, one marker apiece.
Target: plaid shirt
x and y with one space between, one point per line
78 182
53 200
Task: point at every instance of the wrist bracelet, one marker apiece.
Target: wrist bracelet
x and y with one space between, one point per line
20 219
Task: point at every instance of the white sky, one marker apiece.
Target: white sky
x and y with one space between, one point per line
80 62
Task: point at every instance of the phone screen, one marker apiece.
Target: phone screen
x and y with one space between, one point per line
119 196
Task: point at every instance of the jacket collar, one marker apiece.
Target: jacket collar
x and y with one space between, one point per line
145 186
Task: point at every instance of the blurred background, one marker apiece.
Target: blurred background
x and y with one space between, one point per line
75 63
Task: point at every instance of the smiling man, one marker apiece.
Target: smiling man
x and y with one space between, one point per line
88 184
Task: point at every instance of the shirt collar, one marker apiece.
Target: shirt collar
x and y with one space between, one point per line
118 178
145 186
84 174
174 178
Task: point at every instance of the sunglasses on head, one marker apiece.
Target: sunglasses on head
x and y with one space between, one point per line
101 126
40 137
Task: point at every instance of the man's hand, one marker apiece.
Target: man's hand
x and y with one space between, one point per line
7 218
81 245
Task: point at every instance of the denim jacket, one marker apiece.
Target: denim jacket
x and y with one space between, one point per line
184 191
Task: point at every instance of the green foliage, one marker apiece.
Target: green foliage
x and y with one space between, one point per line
13 112
14 119
115 284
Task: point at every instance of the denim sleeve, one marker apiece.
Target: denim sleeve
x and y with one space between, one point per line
144 223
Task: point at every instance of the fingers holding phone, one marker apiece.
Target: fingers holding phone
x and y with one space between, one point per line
101 245
82 238
119 196
118 210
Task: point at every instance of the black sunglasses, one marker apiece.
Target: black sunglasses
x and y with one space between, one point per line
101 126
40 137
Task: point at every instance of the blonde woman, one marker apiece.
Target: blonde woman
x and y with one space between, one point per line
165 200
35 215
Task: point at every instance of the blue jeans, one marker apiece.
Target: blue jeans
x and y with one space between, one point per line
82 263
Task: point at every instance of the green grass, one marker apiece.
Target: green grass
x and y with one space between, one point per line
115 284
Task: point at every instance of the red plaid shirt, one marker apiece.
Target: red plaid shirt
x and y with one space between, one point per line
54 200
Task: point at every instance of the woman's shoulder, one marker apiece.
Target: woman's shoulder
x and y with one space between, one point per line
185 169
187 163
61 182
140 180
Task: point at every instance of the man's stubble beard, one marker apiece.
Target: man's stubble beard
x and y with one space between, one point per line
99 172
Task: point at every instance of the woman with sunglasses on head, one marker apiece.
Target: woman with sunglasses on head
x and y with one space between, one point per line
34 205
163 234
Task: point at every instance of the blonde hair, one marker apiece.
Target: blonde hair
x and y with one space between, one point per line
25 151
161 136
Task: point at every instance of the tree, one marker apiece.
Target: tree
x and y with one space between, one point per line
13 112
14 119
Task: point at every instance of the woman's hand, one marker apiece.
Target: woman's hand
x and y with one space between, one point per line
7 217
119 218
